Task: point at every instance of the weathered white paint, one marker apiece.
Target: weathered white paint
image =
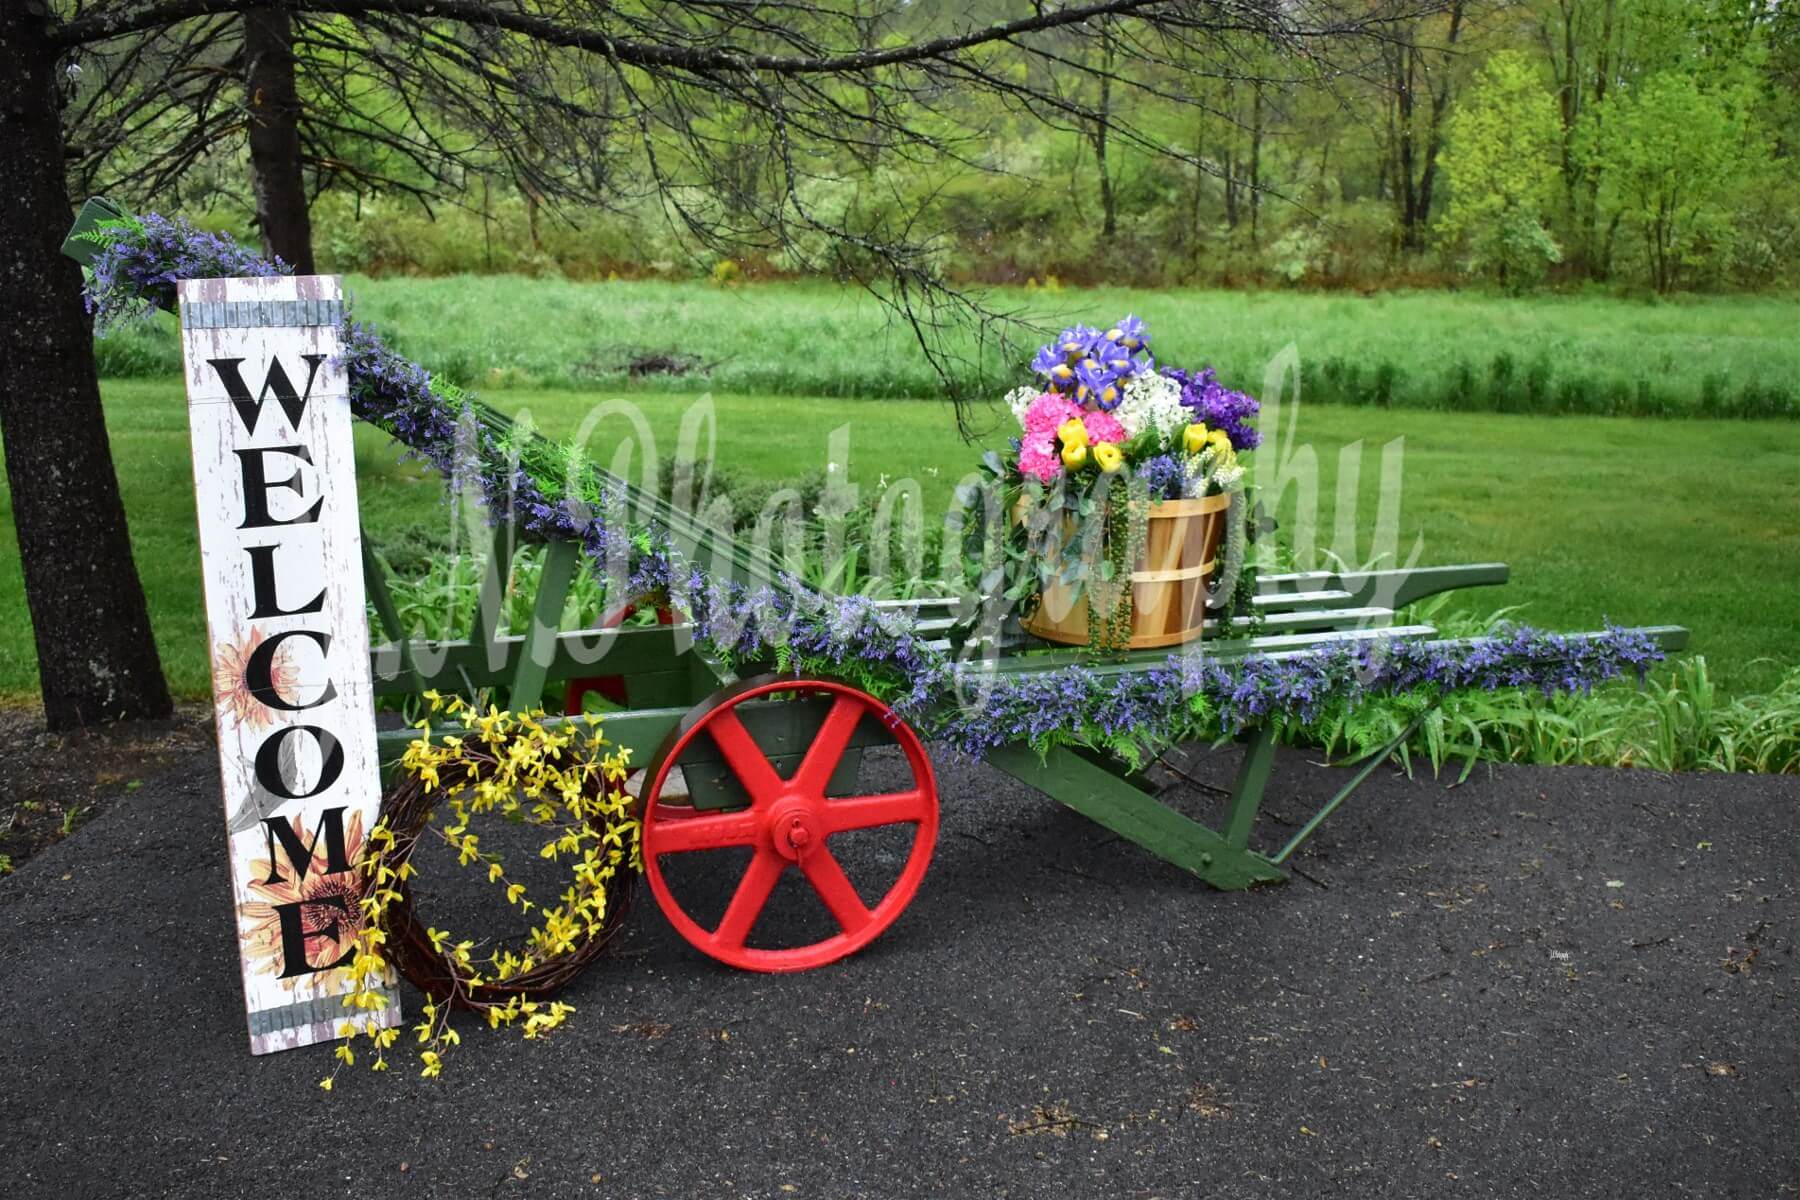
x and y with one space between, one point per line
321 557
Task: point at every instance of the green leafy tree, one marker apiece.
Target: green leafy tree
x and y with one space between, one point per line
1502 162
1676 160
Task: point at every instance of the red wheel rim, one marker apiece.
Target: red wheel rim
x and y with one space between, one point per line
789 824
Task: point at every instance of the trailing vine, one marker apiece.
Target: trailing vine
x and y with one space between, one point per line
1124 518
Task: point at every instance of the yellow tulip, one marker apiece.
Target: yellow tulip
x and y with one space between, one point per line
1073 433
1221 441
1109 456
1195 438
1074 457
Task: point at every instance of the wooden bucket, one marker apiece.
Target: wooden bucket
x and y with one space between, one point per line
1168 586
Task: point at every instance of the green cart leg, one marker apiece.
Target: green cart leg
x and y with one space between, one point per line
1247 789
375 576
546 618
1102 796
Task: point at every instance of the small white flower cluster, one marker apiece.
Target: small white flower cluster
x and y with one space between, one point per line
1019 399
1229 478
1153 401
1209 469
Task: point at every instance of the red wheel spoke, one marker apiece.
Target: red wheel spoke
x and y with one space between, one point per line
836 890
866 812
745 758
747 902
687 830
828 745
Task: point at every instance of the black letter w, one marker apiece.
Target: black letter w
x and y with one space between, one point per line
248 409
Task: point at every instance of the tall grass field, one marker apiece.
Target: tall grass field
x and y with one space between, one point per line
1449 351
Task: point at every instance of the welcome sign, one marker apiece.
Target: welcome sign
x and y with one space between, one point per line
281 554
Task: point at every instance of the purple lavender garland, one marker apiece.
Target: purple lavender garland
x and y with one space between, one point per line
142 258
1185 697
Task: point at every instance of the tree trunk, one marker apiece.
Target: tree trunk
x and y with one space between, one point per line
1109 207
1231 172
1199 192
96 658
1440 104
1406 194
1596 259
1256 138
274 105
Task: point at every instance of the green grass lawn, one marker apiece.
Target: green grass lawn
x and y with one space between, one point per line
1675 521
1717 355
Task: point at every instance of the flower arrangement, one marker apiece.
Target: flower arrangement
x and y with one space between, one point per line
142 258
1104 437
1104 409
563 779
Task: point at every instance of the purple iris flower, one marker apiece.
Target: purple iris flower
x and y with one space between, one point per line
1078 342
1095 382
1116 358
1129 334
1050 364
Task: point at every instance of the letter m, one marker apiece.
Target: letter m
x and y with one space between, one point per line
299 855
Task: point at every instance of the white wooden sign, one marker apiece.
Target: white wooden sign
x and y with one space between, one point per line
281 553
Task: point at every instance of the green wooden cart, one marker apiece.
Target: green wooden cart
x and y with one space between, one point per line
773 764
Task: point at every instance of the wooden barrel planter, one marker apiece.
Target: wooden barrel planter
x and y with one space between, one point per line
1168 585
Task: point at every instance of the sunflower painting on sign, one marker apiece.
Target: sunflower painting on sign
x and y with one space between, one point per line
1128 490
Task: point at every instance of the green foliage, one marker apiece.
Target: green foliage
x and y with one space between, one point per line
111 229
1675 722
1676 159
1502 162
1246 168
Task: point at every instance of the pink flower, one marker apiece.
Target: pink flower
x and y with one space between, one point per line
1047 412
1103 427
1038 458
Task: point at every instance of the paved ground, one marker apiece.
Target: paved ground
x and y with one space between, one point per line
1544 983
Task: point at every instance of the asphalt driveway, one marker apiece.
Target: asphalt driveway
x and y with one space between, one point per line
1544 983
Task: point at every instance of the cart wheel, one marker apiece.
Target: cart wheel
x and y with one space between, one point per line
612 687
788 823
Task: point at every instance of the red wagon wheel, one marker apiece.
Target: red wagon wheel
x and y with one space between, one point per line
789 822
610 686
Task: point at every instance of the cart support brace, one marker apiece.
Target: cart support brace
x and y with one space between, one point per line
1362 773
1102 796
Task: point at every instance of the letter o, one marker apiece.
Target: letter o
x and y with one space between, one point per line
268 761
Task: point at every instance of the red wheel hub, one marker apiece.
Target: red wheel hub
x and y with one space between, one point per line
789 823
